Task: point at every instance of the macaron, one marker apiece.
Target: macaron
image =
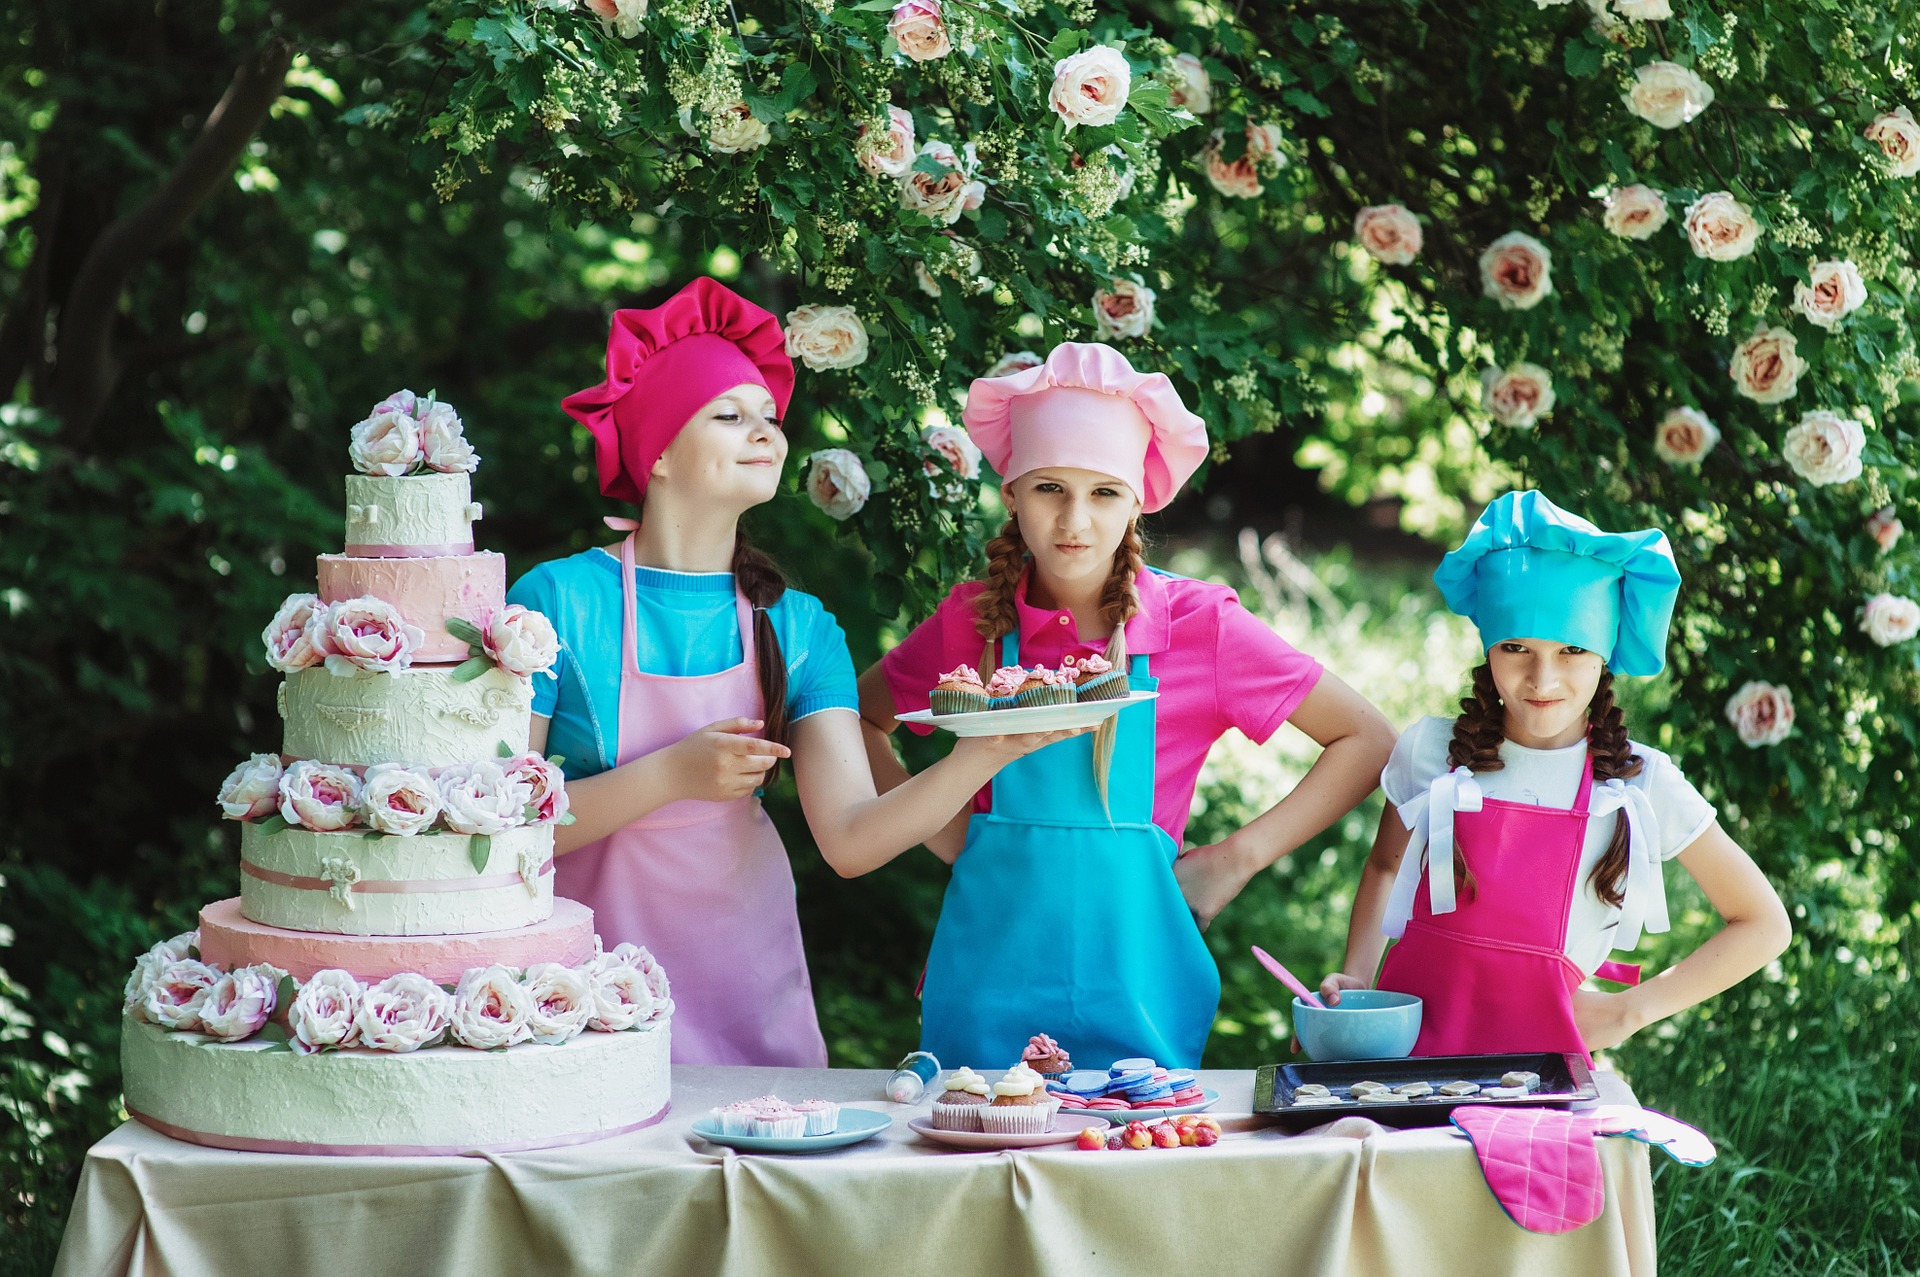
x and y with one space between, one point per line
1181 1079
1149 1091
1126 1081
1133 1065
1083 1082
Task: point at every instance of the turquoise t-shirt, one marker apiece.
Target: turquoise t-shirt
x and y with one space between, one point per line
685 626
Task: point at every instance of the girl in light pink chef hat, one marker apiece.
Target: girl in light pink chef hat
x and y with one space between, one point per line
1071 909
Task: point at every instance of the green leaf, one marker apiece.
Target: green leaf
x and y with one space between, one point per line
372 834
283 994
558 760
471 668
1583 60
530 814
464 630
479 851
567 819
460 31
273 824
503 749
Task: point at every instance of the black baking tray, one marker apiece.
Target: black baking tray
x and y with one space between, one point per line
1564 1080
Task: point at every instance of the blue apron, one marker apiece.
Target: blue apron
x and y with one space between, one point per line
1062 921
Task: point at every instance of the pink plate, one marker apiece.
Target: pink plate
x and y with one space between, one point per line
1066 1126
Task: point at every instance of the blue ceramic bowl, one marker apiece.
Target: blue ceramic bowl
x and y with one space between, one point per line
1369 1024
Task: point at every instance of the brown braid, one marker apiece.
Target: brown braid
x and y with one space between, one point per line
1481 726
1119 600
993 610
763 584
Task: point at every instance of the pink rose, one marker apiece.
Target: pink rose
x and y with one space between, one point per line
1390 234
837 483
404 402
1684 436
1012 362
1766 367
172 1000
545 784
1516 271
319 796
941 198
403 1013
622 17
324 1013
1720 228
239 1003
920 30
641 960
1825 448
1263 144
1190 88
443 442
365 635
521 641
1885 528
387 443
1761 713
1635 212
1123 309
621 999
1667 95
289 636
479 798
1236 179
889 154
1090 87
252 789
954 447
1890 618
562 1002
491 1010
1898 136
148 966
1517 396
1833 291
398 799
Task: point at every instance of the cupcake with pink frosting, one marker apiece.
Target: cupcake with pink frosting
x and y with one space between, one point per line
1098 680
1044 686
1006 681
1046 1057
960 692
823 1116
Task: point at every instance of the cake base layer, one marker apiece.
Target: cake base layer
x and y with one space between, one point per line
423 716
230 939
444 1100
426 591
348 884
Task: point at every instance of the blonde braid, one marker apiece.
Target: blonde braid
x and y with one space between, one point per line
993 607
1119 603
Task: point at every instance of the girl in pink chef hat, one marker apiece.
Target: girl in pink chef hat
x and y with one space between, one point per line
1072 909
688 671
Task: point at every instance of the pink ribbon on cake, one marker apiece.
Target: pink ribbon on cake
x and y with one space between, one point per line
247 1144
392 886
409 551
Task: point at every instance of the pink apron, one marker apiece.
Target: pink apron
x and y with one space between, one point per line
704 885
1492 972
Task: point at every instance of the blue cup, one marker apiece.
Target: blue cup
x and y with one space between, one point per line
1369 1024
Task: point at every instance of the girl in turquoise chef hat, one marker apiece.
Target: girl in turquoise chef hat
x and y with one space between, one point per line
1527 834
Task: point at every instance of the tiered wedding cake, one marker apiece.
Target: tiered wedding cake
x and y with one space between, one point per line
396 975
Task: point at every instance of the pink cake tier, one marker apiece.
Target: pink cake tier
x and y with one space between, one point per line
426 591
229 939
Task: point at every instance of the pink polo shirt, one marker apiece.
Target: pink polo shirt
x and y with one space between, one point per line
1218 664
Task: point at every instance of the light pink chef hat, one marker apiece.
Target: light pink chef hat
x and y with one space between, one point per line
1087 409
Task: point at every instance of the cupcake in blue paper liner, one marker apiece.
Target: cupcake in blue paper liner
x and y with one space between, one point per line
1098 680
1044 686
960 692
1006 681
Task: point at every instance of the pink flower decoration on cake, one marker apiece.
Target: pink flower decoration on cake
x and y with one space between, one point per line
239 1003
319 796
322 1015
400 401
365 635
149 965
403 1013
641 960
252 789
546 787
398 799
491 1010
443 442
562 1002
521 641
173 999
387 443
479 798
289 637
621 999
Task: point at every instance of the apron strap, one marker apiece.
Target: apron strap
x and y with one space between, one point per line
1619 972
629 641
1644 906
1429 821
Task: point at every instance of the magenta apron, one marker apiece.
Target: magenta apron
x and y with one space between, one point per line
705 885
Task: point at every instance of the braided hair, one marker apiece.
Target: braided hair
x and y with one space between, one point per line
1481 726
763 584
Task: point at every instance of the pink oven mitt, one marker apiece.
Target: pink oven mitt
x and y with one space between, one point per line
1543 1167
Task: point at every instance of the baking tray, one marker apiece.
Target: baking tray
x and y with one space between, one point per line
1564 1081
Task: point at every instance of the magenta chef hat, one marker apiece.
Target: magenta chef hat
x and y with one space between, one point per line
1086 408
662 364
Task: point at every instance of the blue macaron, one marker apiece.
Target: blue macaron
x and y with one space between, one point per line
1181 1079
1151 1091
1126 1081
1132 1066
1082 1082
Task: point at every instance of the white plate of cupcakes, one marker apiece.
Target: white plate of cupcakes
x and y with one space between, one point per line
1020 699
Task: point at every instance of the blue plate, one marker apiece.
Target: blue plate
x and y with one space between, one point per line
1120 1117
855 1125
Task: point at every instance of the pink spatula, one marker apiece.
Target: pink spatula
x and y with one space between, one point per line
1288 978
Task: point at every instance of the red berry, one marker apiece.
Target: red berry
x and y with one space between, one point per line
1166 1136
1115 1142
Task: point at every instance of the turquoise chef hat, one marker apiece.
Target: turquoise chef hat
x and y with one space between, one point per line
1529 569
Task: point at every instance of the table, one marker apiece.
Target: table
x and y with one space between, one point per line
662 1201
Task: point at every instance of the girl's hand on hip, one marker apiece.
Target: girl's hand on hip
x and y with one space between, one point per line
1210 877
722 761
1604 1019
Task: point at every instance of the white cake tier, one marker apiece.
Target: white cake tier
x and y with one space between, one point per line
262 1097
426 591
420 716
229 939
410 517
424 885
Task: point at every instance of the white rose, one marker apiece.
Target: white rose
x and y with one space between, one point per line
1012 362
1833 291
1721 228
1124 309
491 1010
1825 448
387 443
1090 87
545 784
1761 713
562 1002
1667 95
641 960
837 482
1766 367
920 30
1516 271
480 798
319 796
1684 436
443 442
1635 212
1898 137
621 999
1189 86
397 799
239 1003
924 278
521 641
1390 234
172 998
1644 10
290 636
622 17
252 789
322 1015
364 635
826 337
941 197
733 129
889 154
1605 21
403 1013
1890 618
148 966
955 448
1517 396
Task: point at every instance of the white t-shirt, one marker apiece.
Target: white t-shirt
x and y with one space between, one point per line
1551 778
